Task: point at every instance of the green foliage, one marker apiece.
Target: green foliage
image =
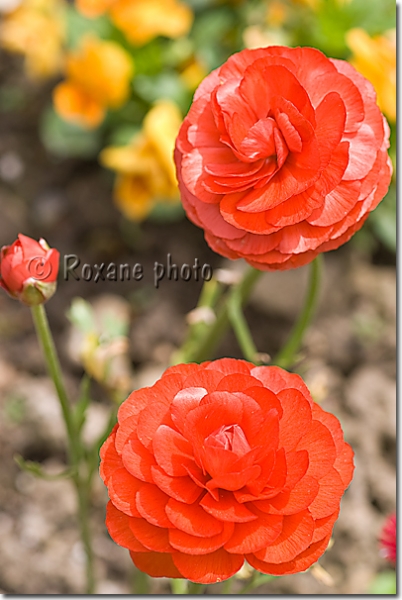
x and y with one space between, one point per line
167 85
384 583
78 26
334 19
64 139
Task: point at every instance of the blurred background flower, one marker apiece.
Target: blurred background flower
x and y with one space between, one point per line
98 78
375 58
36 29
142 20
388 539
145 168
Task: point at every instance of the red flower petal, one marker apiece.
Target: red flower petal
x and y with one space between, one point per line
156 564
117 523
296 536
190 544
151 504
321 449
302 562
211 568
110 460
152 537
192 519
172 451
179 488
252 536
296 419
226 508
122 490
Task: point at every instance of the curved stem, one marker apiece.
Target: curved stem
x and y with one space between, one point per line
286 357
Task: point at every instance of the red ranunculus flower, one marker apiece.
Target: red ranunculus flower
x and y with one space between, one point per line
388 539
282 156
28 270
221 462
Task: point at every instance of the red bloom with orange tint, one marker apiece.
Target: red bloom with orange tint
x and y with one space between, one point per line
282 156
221 462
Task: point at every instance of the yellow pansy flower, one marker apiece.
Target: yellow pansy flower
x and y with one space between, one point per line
375 58
145 168
36 29
142 20
98 78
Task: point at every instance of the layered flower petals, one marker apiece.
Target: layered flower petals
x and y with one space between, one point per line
225 462
279 148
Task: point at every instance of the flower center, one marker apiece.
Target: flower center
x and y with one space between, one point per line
229 437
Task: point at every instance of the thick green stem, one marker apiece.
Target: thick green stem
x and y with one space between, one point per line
286 357
179 586
81 481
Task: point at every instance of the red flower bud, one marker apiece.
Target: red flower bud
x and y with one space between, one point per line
28 270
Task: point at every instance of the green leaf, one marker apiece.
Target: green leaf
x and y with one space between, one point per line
81 315
36 469
64 139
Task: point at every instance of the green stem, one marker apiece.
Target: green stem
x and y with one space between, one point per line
53 365
240 328
212 334
195 588
141 583
179 586
83 514
82 484
286 357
